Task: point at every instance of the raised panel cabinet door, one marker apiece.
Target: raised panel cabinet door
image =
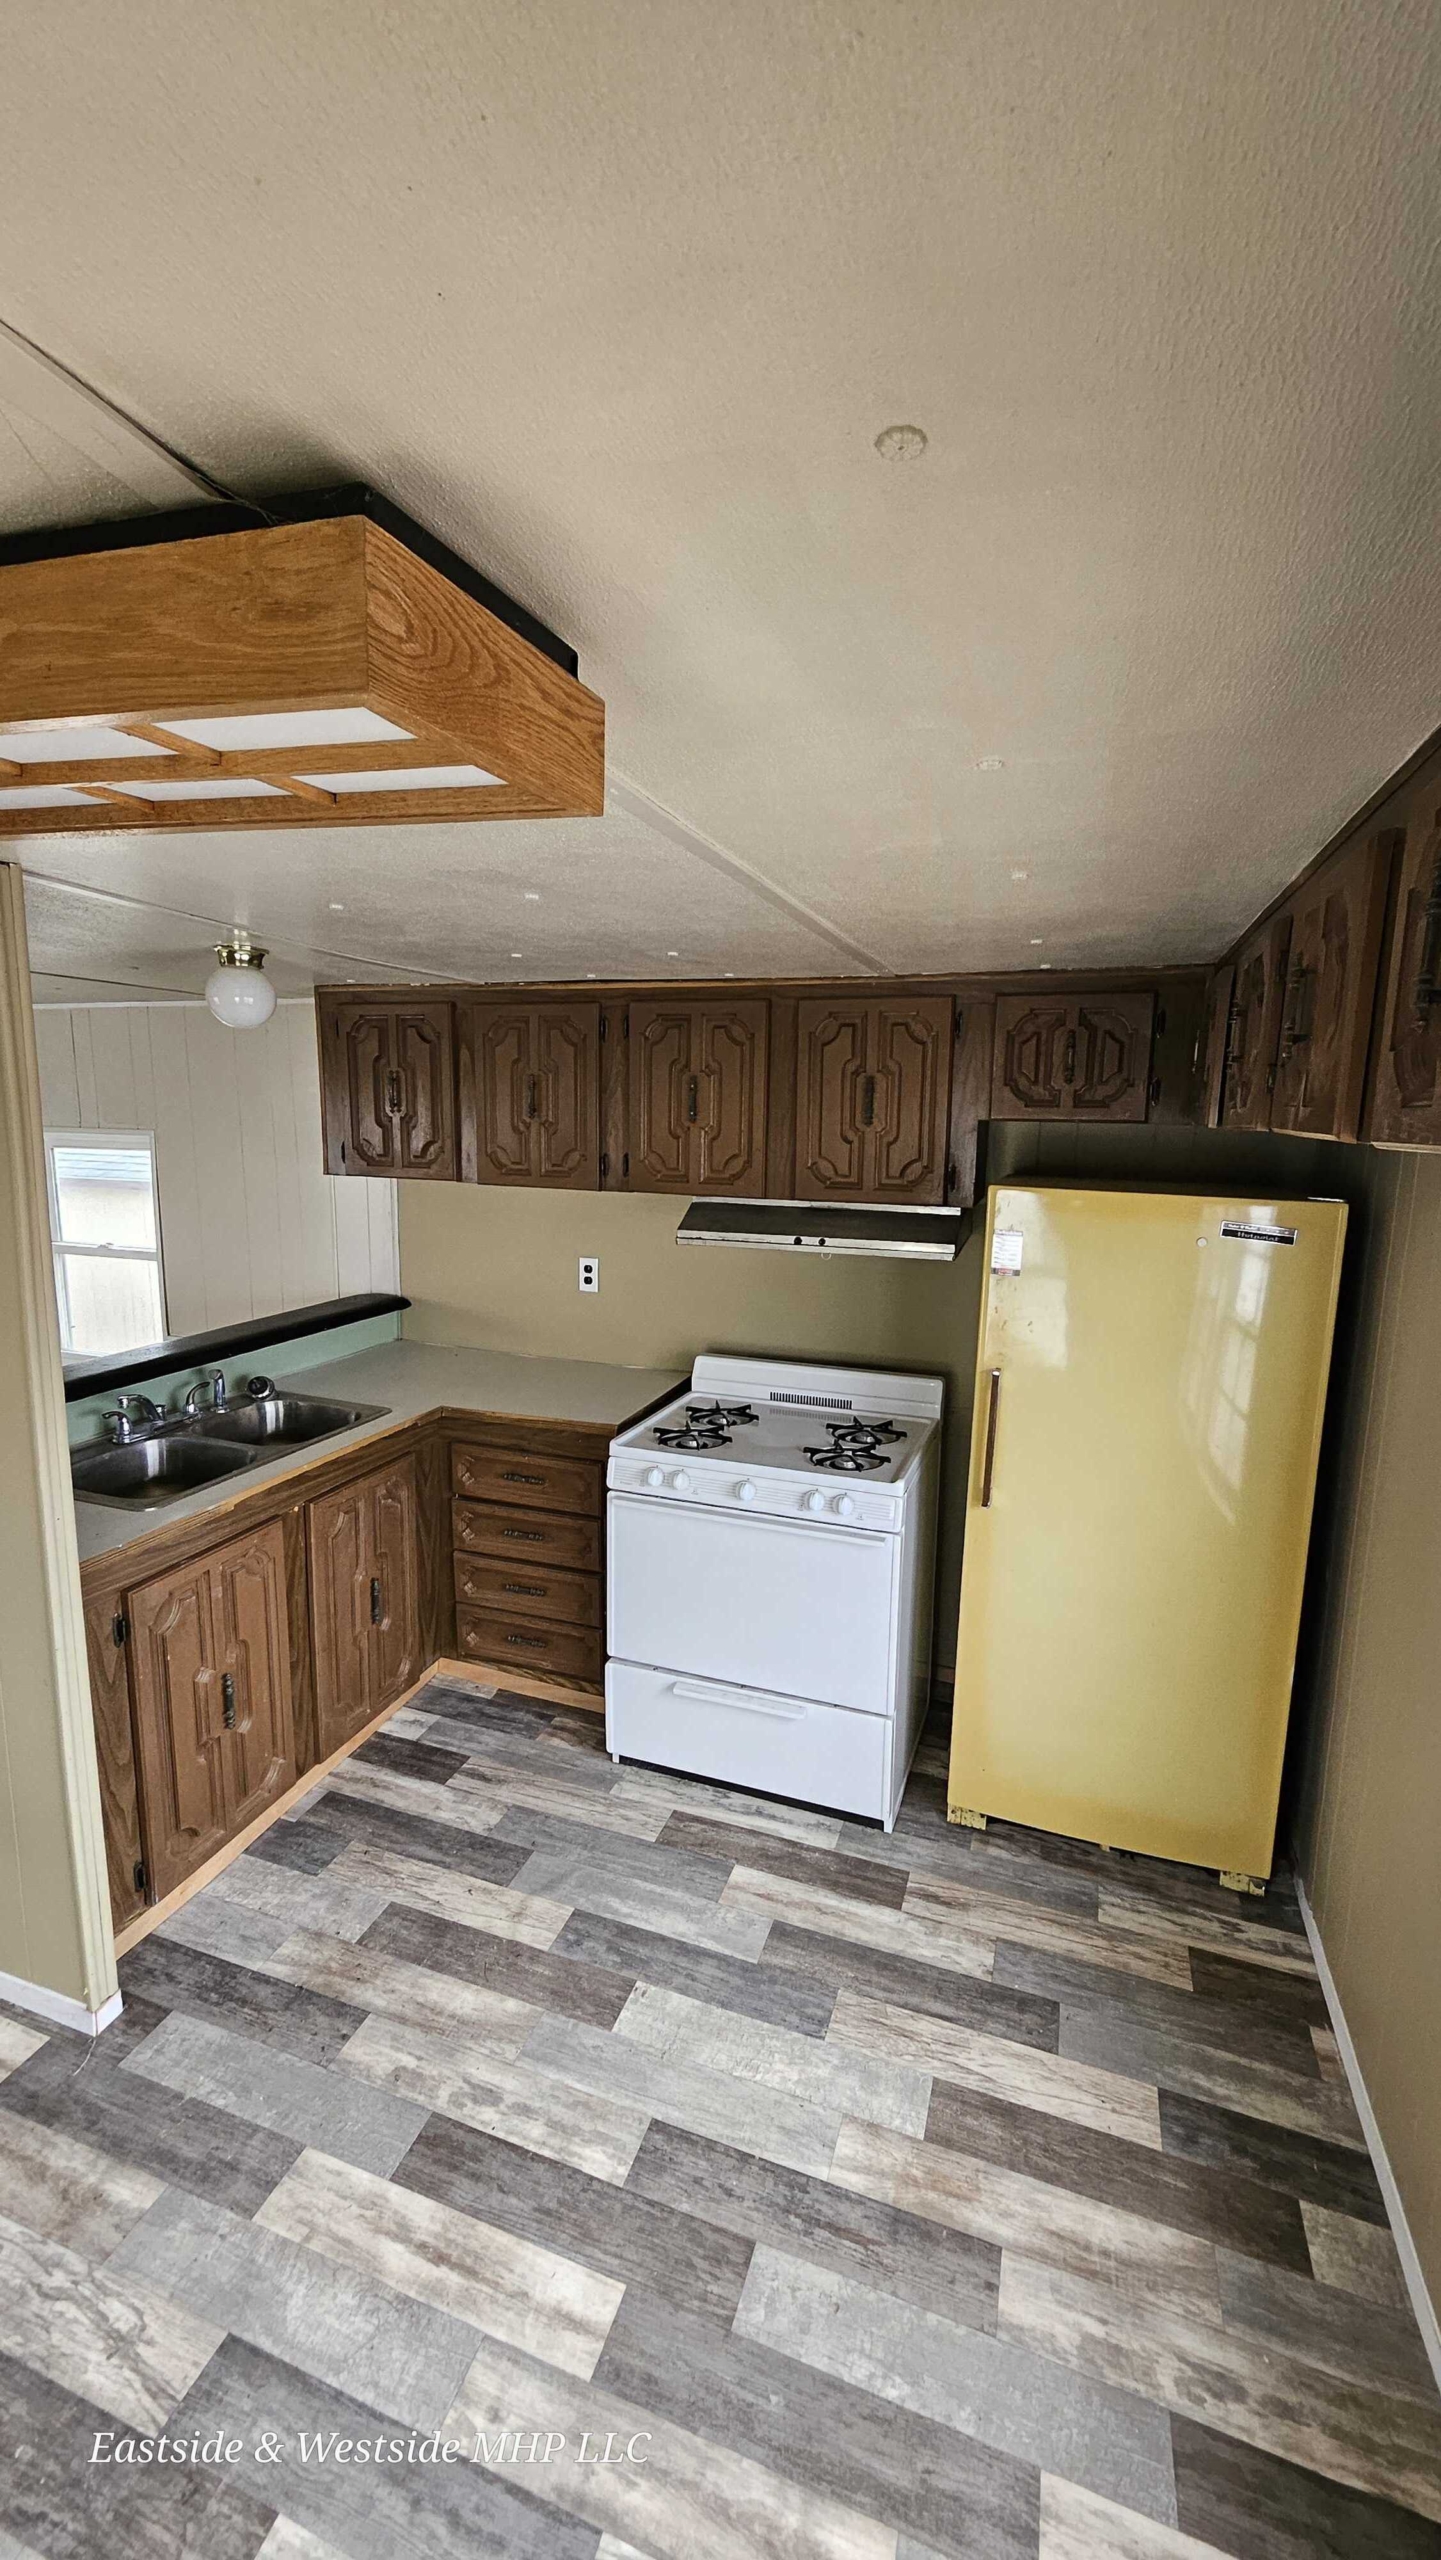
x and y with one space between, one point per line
663 1095
339 1535
359 1087
1256 1025
831 1148
1106 1060
1030 1049
497 1080
179 1722
697 1090
1405 1106
424 1063
394 1583
1216 1040
910 1057
1330 991
253 1635
567 1051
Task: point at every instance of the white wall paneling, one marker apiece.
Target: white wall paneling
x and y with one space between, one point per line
249 1224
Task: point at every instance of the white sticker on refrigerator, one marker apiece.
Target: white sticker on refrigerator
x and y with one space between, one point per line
1257 1235
1006 1248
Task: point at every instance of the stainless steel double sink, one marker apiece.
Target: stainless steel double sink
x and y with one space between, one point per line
180 1454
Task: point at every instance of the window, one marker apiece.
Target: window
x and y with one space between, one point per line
105 1226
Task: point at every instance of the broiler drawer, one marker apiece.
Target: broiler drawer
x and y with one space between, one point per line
526 1477
527 1537
574 1652
521 1590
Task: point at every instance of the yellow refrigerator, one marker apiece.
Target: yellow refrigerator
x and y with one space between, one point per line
1149 1397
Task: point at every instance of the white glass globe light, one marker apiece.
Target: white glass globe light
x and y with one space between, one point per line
238 991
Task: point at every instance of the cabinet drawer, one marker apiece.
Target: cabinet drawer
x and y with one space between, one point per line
537 1482
526 1537
518 1590
485 1636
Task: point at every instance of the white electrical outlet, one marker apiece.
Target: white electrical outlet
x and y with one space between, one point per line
590 1274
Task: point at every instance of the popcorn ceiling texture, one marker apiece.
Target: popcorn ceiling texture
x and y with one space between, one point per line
617 297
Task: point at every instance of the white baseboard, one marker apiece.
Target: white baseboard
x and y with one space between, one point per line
58 2006
1406 2250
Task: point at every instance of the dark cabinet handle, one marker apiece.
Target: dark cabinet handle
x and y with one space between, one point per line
692 1097
530 1537
375 1600
227 1701
532 1097
542 1641
993 1416
526 1590
393 1094
1068 1072
1299 1009
513 1475
868 1102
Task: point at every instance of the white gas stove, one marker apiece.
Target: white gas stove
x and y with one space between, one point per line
771 1536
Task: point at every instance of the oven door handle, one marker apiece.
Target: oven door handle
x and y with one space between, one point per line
705 1693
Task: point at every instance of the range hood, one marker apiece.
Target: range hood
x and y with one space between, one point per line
809 1226
318 660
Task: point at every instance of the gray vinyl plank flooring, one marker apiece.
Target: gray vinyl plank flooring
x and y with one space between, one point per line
932 2195
1022 2404
401 2357
314 2106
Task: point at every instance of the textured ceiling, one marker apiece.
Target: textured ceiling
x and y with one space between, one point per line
616 298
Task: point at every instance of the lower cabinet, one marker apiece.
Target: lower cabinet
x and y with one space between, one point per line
528 1528
210 1687
364 1598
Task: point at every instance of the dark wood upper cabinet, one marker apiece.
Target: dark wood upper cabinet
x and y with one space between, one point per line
364 1598
1256 1008
697 1091
1405 1103
530 1094
387 1085
210 1674
873 1085
1215 1043
1336 923
1086 1059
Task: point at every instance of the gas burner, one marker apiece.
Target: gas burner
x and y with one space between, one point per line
845 1459
705 1417
690 1435
856 1434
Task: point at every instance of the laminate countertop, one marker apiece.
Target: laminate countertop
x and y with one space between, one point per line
410 1379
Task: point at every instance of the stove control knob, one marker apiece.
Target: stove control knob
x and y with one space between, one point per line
746 1491
815 1501
845 1507
681 1482
654 1475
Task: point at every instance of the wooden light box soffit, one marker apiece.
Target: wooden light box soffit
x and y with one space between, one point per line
327 670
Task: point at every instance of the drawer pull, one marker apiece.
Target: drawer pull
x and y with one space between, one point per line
527 1590
512 1475
708 1696
540 1640
532 1537
227 1701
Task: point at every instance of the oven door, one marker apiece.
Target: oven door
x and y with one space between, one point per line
798 1607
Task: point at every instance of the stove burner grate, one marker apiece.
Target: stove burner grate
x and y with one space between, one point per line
845 1459
690 1435
855 1434
704 1416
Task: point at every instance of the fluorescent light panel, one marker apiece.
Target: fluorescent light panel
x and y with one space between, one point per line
45 795
416 777
344 728
71 746
227 786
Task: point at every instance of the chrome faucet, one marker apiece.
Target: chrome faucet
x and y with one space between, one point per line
132 1413
216 1384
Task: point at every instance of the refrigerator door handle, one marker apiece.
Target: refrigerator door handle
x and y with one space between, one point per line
993 1415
